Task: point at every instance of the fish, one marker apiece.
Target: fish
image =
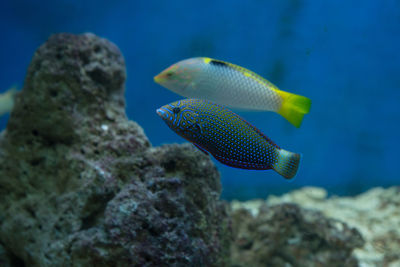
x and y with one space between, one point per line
233 86
7 100
232 140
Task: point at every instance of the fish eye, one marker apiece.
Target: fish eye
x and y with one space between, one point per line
169 74
176 110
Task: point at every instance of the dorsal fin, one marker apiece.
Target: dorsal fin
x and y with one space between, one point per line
261 134
218 63
252 126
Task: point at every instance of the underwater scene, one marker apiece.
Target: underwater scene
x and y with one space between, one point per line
200 133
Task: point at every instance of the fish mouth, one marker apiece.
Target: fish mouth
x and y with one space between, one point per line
163 113
158 78
160 112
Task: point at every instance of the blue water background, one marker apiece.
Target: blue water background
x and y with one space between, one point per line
344 55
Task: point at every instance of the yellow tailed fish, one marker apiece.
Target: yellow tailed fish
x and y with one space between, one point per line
233 86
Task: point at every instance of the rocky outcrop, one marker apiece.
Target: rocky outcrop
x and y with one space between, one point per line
373 214
288 235
81 185
6 258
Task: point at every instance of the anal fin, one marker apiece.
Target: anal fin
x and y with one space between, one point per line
202 149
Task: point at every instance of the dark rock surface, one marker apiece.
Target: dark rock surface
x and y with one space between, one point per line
6 258
288 235
374 213
80 185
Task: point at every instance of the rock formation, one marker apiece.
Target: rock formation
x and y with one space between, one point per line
81 185
288 235
374 215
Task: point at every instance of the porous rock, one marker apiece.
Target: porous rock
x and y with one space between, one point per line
289 235
6 259
375 214
81 185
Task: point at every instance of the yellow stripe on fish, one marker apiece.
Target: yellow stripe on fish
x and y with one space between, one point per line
233 86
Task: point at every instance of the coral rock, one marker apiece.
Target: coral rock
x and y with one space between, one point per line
80 184
374 214
288 235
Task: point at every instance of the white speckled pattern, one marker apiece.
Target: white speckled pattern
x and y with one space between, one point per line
227 85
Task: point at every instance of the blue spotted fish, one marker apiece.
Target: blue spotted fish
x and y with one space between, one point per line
229 138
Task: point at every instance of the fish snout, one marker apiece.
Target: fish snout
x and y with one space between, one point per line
162 113
158 78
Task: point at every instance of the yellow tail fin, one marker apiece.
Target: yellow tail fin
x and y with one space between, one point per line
293 107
